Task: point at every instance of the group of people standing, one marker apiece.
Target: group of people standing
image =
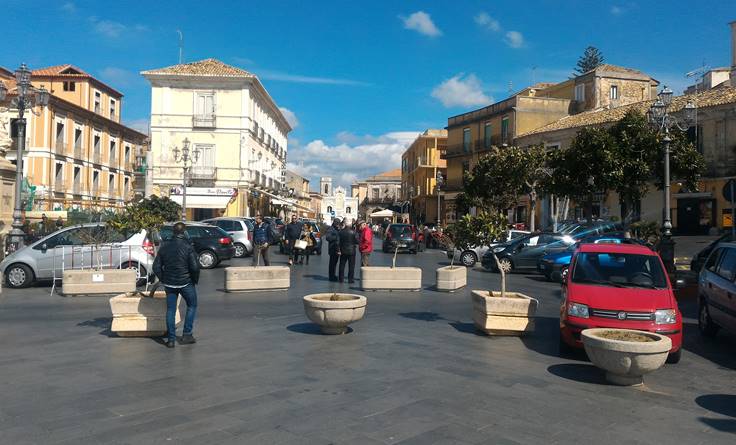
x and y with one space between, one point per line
344 240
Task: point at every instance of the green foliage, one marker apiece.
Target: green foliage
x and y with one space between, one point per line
648 231
480 230
147 214
591 59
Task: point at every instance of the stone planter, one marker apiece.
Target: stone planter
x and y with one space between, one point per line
135 315
510 315
450 279
333 317
626 361
95 282
249 278
404 278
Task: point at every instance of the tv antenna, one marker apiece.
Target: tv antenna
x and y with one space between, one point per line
181 45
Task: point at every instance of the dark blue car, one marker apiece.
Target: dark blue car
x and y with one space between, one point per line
554 264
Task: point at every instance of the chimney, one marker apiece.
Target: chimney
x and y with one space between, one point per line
733 53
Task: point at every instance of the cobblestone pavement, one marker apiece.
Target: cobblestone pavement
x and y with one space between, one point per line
413 372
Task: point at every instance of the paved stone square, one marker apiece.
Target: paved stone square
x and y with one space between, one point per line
413 371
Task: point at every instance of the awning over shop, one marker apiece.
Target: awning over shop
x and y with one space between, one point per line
383 214
203 202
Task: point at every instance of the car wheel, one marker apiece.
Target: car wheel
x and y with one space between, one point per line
674 357
506 264
468 258
240 250
141 272
18 276
705 324
207 260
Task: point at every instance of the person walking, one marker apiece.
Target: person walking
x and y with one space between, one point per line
366 243
177 268
333 248
59 223
348 243
308 237
262 239
291 234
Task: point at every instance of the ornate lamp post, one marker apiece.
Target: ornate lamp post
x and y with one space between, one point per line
440 184
661 119
187 159
26 97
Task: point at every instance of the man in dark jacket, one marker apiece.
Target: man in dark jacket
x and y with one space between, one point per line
177 268
333 242
292 233
262 239
348 243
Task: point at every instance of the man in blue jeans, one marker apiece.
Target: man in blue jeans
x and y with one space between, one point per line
177 268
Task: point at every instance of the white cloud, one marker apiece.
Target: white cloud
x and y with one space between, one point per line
113 30
422 23
298 78
365 156
119 77
243 60
141 125
514 39
290 117
461 92
486 21
616 10
69 7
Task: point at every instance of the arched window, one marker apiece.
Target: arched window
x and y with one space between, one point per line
347 209
329 209
327 190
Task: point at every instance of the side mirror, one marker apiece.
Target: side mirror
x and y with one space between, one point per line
564 276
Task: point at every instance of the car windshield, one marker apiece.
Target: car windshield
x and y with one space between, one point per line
619 270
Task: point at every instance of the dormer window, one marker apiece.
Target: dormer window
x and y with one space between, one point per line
70 86
112 109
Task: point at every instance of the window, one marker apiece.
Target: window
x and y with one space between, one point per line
98 102
59 134
205 104
713 260
127 154
59 173
69 86
112 109
580 92
466 140
487 135
347 210
327 189
113 152
505 130
95 180
727 267
466 166
613 93
376 193
77 138
111 183
126 183
329 209
619 269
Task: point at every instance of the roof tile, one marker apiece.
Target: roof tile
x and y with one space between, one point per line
207 67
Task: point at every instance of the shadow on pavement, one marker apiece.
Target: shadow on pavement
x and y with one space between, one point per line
578 372
724 404
310 329
102 322
317 277
725 425
544 339
422 316
718 350
467 328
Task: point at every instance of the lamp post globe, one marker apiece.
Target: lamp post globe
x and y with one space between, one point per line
666 96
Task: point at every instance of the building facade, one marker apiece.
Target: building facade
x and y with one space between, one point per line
297 187
228 117
79 155
420 165
336 203
378 192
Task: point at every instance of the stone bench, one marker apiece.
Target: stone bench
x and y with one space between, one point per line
399 278
135 315
249 278
96 282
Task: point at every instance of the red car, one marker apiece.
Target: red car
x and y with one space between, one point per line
618 286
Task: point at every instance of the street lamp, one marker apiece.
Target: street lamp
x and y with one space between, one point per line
187 159
440 183
661 120
26 97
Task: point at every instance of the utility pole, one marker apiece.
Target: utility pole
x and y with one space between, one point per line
181 46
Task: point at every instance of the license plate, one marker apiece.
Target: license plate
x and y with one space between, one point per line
402 245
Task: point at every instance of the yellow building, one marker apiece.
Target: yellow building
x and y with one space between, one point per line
79 155
420 165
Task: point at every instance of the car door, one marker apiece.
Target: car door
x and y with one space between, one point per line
50 251
527 252
721 286
195 237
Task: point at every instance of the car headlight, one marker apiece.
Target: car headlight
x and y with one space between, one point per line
665 316
577 310
498 249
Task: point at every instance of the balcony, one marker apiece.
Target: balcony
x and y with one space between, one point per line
77 152
113 160
206 172
97 157
204 121
60 148
59 184
77 188
455 150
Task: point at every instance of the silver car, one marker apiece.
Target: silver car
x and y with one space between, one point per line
240 229
470 256
74 248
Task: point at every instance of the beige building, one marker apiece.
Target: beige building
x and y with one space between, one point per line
79 154
229 118
315 205
297 187
378 192
420 165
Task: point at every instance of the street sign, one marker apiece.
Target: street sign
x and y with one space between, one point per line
728 188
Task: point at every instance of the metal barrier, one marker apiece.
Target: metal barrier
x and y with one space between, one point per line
91 257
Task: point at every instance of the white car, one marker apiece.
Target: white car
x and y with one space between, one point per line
469 257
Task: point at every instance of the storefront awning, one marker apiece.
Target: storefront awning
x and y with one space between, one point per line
203 202
277 200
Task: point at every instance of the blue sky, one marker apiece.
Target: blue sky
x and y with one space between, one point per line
362 78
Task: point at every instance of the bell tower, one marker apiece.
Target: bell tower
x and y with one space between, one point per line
325 186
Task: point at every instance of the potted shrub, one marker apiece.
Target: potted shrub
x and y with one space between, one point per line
451 278
626 355
382 277
496 313
334 312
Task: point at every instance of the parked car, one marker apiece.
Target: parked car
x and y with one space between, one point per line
618 286
469 257
278 226
717 291
696 264
71 248
403 236
554 265
212 244
241 231
525 251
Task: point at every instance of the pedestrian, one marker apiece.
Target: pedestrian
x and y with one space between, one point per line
348 242
366 243
59 223
333 248
427 236
43 225
291 234
262 239
177 268
309 238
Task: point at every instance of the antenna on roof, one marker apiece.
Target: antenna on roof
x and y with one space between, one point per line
181 45
511 87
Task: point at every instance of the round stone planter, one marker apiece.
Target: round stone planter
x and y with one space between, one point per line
626 361
333 317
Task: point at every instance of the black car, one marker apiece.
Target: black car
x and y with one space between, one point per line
211 243
403 236
525 252
696 264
